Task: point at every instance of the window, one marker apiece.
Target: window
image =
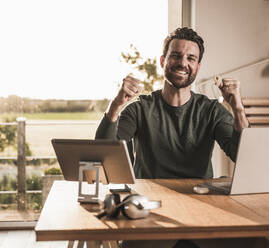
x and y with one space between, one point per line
66 50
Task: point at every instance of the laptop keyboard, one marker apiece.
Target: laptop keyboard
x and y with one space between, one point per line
223 187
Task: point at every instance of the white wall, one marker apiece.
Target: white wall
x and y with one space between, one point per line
236 33
174 14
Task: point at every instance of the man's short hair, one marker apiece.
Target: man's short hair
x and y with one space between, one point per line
184 34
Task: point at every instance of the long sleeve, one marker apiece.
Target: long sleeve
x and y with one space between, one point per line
225 134
106 129
123 129
229 144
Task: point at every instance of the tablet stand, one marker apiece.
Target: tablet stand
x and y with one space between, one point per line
84 166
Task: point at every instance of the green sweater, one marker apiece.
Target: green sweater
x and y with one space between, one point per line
173 142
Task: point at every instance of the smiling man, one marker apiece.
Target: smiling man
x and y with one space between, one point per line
173 130
182 74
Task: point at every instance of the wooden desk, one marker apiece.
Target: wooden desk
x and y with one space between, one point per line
183 215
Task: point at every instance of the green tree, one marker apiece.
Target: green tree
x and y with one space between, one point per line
34 200
34 182
6 184
53 171
8 136
147 67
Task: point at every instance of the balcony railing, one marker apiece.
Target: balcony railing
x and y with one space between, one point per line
21 157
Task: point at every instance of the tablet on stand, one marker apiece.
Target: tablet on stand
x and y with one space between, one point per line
95 161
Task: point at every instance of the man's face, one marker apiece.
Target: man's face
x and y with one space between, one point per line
181 63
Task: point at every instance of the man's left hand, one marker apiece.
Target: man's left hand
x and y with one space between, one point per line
230 89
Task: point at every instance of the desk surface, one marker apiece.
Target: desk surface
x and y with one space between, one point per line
183 215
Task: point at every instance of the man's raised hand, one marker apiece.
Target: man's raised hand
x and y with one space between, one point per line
131 87
230 89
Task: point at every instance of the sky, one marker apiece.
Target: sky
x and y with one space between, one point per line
70 49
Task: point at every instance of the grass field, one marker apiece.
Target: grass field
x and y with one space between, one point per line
54 116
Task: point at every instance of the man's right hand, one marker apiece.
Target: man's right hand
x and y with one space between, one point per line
131 87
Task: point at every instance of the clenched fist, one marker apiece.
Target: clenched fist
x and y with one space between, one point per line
130 88
230 89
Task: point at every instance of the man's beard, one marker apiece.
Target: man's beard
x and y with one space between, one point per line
190 79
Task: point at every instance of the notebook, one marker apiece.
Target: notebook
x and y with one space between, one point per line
252 165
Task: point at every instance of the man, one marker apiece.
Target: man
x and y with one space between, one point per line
173 129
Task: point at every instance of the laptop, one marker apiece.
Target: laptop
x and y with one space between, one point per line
251 170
